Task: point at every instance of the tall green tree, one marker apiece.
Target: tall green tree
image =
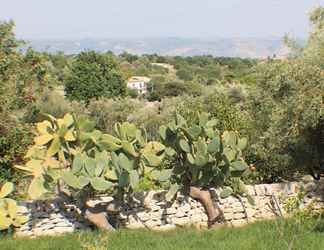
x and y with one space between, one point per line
286 109
314 50
94 75
8 58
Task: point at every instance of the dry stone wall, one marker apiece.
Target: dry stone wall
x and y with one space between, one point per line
50 218
150 210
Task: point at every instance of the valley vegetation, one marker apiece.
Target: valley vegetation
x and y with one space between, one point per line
69 125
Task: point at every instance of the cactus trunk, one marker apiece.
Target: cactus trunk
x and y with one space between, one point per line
204 197
98 217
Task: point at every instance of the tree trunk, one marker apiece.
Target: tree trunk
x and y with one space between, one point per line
97 215
204 197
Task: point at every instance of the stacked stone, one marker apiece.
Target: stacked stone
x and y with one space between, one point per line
314 193
187 211
48 218
238 211
150 210
159 215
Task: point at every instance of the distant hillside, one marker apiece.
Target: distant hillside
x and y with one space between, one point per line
229 47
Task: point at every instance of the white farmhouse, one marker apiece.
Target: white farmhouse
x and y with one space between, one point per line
139 83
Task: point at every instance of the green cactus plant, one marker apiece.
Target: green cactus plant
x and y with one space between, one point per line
9 215
132 155
116 165
56 134
57 143
203 158
87 171
71 152
87 161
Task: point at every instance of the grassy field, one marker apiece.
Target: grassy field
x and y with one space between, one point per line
263 236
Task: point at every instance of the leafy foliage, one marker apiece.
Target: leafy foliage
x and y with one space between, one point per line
286 110
314 50
14 142
94 75
174 88
9 215
106 112
17 79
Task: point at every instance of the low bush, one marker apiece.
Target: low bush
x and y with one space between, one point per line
106 112
14 142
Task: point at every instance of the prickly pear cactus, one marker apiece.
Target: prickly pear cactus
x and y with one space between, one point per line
8 209
59 145
203 156
114 163
88 173
86 159
131 155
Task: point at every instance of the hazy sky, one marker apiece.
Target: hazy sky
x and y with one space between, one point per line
157 18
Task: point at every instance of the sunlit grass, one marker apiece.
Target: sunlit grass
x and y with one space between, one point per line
262 235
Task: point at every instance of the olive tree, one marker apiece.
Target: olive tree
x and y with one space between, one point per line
286 109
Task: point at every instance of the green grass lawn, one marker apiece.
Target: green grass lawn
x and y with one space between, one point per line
262 235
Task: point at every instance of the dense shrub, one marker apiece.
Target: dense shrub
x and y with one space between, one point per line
172 89
314 49
149 117
23 76
185 74
286 109
218 104
94 75
14 141
106 112
52 103
145 115
133 93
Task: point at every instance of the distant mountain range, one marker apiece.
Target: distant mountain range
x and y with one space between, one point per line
227 47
